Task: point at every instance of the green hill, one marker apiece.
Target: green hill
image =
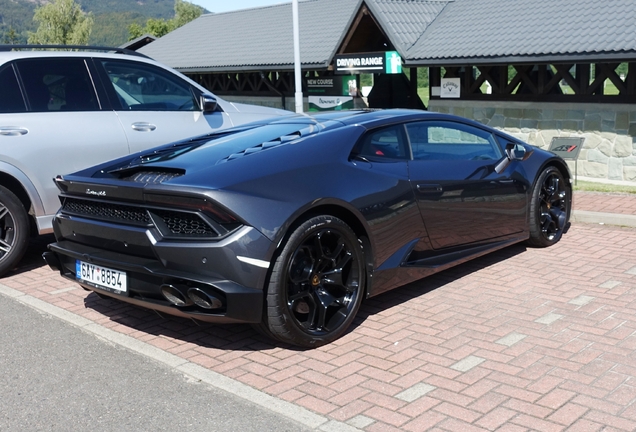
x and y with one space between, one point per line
112 18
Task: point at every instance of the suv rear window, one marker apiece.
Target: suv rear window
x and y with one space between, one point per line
11 100
57 84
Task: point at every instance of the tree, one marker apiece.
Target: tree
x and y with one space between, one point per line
11 37
184 12
61 23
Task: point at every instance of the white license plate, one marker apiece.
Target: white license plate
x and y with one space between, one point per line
101 277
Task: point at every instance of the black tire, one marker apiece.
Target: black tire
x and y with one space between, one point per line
14 230
317 284
549 208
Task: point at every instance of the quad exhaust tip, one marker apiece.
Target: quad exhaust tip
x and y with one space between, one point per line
203 299
175 296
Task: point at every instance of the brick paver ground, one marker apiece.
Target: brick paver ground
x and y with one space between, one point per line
599 202
522 339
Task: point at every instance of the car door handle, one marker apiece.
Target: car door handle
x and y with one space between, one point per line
13 131
429 188
143 127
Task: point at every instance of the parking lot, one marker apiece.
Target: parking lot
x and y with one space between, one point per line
522 339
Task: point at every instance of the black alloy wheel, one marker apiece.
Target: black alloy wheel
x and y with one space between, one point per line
14 230
549 208
317 283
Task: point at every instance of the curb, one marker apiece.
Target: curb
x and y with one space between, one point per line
584 216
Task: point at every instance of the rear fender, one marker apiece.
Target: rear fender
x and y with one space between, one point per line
12 178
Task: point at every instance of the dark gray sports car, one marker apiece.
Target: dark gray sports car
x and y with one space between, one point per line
290 224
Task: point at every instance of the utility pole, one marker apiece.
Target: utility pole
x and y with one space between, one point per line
297 70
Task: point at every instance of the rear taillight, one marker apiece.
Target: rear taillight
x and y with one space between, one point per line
194 204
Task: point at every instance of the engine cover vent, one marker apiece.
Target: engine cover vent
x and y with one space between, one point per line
153 177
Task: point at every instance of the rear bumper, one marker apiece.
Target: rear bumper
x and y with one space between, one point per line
148 280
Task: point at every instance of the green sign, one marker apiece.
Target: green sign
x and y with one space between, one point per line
332 93
388 62
341 85
392 63
330 103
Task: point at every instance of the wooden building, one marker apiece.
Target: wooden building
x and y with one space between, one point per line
538 70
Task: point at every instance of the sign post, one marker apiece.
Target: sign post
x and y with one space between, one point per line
568 148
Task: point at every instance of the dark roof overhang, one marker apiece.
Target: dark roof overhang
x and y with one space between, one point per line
596 57
253 68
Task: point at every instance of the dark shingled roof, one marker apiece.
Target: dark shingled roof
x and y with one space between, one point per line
257 38
545 30
424 32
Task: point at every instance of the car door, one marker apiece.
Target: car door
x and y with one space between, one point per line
461 198
154 105
386 197
55 124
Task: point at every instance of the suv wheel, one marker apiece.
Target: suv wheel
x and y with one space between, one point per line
14 230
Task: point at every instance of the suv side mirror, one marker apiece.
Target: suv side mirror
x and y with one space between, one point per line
208 103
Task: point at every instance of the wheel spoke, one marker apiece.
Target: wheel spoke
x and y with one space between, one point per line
334 276
301 266
299 295
5 247
331 311
6 230
321 317
337 251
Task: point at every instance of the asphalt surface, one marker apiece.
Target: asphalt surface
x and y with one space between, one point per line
57 377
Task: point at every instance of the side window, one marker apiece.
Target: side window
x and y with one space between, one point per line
57 84
145 87
11 100
445 140
386 143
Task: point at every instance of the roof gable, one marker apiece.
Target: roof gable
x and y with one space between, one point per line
404 21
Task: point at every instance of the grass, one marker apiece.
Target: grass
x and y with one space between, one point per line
586 186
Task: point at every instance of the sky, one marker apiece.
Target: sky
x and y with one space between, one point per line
232 5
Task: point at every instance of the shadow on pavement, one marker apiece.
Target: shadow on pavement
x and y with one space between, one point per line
244 337
33 257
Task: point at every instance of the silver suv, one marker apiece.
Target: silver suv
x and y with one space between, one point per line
66 109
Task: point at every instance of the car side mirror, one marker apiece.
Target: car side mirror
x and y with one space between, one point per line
517 152
514 152
208 103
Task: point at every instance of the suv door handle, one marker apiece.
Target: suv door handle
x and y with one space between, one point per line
143 127
13 131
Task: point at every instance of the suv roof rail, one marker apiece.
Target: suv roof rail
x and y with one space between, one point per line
72 47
